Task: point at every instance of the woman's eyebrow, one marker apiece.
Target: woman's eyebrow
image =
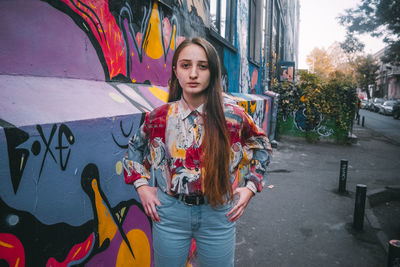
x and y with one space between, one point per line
190 60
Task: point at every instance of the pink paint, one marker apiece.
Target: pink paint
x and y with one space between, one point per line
12 250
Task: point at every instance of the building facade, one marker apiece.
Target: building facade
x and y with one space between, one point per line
388 80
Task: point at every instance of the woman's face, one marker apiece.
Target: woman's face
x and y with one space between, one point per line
193 73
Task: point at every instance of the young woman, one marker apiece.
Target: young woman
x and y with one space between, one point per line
192 149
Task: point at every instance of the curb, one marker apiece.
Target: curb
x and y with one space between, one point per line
376 197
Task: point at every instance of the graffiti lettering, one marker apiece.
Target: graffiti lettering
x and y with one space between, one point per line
64 130
18 156
47 144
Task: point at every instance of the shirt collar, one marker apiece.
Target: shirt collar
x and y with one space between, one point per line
185 110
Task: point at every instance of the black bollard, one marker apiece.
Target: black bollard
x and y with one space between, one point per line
359 207
362 121
394 253
343 175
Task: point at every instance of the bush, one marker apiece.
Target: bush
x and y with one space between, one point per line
317 100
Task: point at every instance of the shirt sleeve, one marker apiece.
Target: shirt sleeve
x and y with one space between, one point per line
257 153
136 164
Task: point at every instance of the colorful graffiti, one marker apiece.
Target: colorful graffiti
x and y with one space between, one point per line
116 236
62 200
134 40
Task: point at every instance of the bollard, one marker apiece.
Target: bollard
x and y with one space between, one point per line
343 175
359 207
394 253
362 121
358 119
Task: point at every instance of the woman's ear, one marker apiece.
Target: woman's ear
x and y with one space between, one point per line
174 69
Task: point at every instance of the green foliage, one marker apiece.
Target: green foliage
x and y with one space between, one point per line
289 98
366 72
335 98
377 18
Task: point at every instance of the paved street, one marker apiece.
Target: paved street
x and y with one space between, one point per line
384 125
300 220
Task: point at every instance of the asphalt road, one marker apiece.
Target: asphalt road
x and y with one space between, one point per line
383 124
300 220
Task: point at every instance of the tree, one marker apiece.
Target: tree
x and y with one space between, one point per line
352 47
366 72
323 62
341 60
377 18
320 62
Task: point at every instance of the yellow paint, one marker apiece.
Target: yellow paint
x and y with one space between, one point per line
17 262
116 97
252 107
107 227
76 253
4 244
154 46
92 6
173 37
87 246
160 94
141 250
118 167
244 104
133 80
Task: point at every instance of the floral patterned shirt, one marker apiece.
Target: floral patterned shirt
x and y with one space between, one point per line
167 150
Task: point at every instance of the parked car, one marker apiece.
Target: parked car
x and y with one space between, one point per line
378 102
396 110
369 105
387 107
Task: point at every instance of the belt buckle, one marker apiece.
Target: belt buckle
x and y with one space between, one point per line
184 201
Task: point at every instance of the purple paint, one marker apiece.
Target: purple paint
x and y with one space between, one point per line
27 100
152 98
135 219
39 40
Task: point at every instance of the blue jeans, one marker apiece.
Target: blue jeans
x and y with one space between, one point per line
214 235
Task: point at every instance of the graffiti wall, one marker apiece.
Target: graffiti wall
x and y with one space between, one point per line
113 40
77 77
63 198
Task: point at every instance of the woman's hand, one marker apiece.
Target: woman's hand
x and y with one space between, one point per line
245 195
149 199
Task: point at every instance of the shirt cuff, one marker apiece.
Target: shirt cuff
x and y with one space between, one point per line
250 185
139 182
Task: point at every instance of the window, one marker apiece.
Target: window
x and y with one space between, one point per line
222 13
255 30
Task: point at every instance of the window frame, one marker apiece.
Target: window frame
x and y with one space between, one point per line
255 30
229 38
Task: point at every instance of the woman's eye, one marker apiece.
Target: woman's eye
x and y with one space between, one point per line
185 65
203 67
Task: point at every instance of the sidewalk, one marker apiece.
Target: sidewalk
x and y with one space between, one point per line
300 220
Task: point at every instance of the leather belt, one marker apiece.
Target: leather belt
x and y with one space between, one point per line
191 200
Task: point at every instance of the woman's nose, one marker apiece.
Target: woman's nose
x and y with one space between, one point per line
193 72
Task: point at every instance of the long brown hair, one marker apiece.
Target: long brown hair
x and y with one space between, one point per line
216 141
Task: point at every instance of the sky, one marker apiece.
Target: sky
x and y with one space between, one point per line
320 28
